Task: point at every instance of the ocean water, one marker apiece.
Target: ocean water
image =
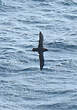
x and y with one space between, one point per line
22 85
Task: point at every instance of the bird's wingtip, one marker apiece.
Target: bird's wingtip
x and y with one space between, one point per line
40 33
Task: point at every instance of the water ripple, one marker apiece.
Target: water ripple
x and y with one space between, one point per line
22 84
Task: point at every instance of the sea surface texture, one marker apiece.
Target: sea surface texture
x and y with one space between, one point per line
22 85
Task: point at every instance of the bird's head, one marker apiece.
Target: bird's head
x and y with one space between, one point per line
35 49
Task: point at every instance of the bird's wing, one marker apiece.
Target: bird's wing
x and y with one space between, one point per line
41 58
40 40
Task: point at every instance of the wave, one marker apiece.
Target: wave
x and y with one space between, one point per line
71 17
39 0
67 2
55 106
8 8
0 2
53 92
62 45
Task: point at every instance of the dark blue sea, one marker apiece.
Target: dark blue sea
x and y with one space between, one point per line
22 85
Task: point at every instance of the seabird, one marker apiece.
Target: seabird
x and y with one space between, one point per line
40 50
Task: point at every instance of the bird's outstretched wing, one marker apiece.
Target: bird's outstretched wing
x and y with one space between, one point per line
40 40
41 58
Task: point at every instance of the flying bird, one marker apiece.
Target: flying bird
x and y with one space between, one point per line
40 50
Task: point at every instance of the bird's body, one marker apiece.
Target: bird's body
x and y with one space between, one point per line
40 50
